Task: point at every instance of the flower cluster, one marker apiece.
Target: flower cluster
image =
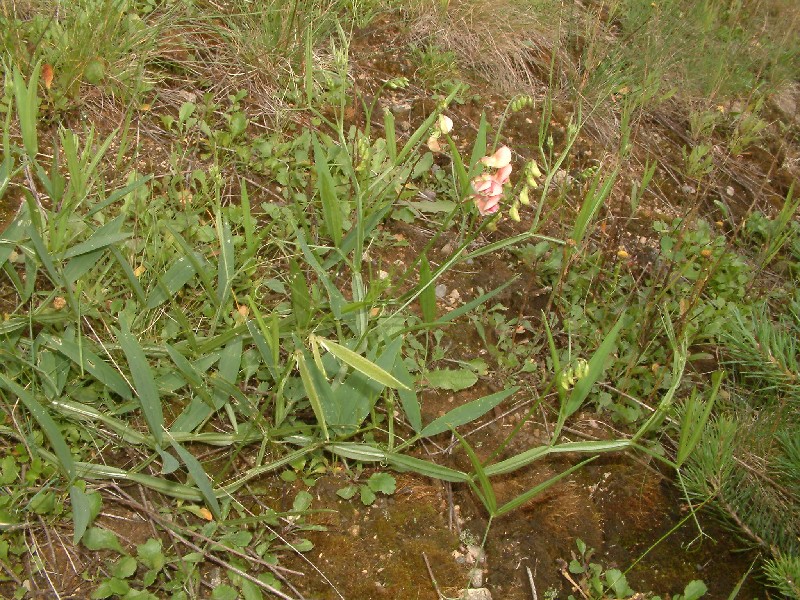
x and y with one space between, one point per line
488 187
443 126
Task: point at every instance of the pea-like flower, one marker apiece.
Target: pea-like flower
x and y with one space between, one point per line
501 158
488 188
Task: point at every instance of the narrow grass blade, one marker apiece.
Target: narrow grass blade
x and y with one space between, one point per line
226 260
14 232
193 378
487 496
479 147
90 362
473 304
81 512
538 489
335 297
403 462
197 261
507 242
230 361
461 172
44 256
695 416
517 461
178 275
466 413
390 135
357 451
427 297
408 397
28 109
584 385
301 298
80 265
143 380
311 391
331 206
200 477
106 235
247 221
133 280
591 204
118 194
359 363
366 226
46 422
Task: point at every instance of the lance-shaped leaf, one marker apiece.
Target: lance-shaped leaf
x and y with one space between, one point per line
143 380
359 363
466 413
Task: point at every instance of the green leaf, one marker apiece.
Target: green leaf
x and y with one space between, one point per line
382 482
46 422
125 567
90 362
538 489
143 380
302 501
111 587
451 379
694 590
317 389
82 510
337 300
402 462
331 209
226 260
427 296
367 496
201 480
486 493
224 592
103 237
151 555
616 580
408 397
695 416
177 276
584 385
359 363
14 232
347 492
97 538
27 109
301 298
466 413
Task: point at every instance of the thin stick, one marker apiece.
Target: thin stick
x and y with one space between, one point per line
533 587
433 579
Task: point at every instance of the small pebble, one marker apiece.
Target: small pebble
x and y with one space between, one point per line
441 291
476 594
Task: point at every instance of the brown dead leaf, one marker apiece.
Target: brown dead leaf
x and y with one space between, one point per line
47 75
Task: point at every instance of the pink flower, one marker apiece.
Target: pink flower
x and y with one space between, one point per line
501 158
488 189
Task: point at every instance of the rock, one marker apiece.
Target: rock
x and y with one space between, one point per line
441 290
476 594
476 578
786 103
